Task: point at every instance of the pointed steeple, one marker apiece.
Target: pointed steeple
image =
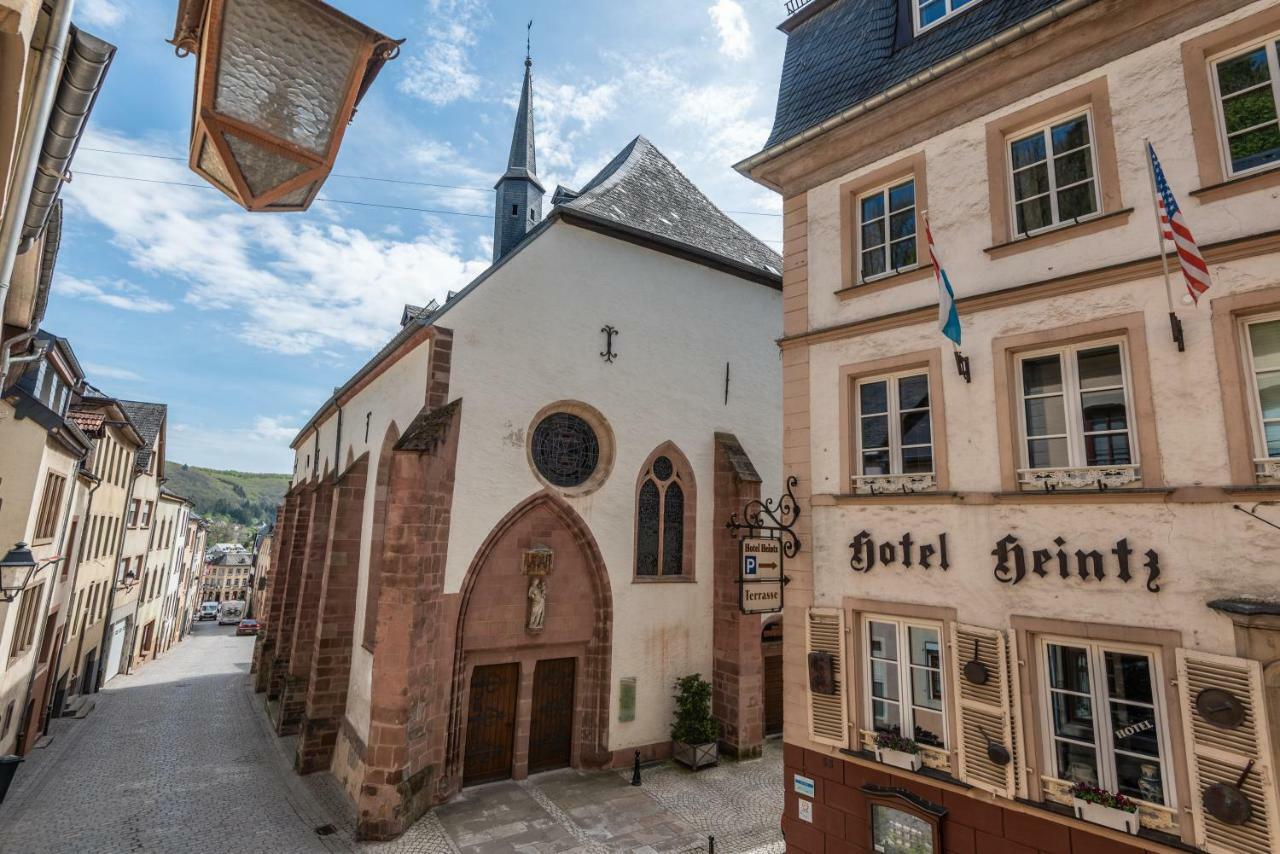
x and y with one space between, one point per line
518 206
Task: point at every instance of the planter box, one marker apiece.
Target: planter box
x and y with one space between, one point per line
1106 816
695 755
899 759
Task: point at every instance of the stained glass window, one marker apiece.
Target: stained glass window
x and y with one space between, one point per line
660 522
565 449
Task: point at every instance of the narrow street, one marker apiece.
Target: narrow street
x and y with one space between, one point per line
179 757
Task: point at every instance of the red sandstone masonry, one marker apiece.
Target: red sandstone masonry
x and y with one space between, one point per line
294 697
288 589
738 669
405 752
326 698
268 635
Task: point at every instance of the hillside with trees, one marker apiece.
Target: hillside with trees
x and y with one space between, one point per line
234 502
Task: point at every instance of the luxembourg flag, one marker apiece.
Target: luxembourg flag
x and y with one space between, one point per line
948 317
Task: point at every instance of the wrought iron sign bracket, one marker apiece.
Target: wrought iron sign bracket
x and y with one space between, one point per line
1254 512
962 366
771 518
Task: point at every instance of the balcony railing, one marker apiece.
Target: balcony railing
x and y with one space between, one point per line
893 484
1267 468
1079 477
794 6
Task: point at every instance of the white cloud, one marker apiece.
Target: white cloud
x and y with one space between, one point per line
440 73
101 13
98 371
264 447
115 293
290 284
277 430
565 115
732 27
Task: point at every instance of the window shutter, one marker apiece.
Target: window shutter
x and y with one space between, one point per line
1218 754
984 712
828 713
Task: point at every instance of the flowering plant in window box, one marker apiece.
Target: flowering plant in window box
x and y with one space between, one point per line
1100 806
898 751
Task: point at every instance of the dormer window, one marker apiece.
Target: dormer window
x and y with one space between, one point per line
929 13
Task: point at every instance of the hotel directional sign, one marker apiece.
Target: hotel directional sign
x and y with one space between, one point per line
760 575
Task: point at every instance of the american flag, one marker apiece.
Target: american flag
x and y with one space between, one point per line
1173 226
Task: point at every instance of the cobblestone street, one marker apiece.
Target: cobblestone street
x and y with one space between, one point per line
179 757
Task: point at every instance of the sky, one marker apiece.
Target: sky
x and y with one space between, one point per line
244 323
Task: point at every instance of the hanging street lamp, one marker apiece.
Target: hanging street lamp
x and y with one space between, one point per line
16 569
276 85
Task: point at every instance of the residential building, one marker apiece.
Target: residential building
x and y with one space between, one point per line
226 576
157 570
262 548
192 567
41 486
120 632
1050 565
115 443
505 536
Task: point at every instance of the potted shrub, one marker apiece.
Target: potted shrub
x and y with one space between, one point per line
1109 809
898 751
694 732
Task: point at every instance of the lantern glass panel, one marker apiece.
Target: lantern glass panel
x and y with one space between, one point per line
297 198
213 166
285 69
262 168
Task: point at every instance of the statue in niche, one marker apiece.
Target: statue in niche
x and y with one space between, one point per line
536 566
537 603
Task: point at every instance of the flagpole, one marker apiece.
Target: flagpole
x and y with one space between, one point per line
1175 325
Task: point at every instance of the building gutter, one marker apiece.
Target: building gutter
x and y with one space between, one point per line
88 59
953 63
45 91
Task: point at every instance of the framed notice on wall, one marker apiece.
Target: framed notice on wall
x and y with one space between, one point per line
899 822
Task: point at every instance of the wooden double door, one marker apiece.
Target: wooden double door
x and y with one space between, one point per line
492 719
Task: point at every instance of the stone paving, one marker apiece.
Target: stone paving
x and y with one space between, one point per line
179 757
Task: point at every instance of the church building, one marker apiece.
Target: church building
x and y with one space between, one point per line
506 534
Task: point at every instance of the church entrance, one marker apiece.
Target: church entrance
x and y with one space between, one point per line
491 723
551 725
532 660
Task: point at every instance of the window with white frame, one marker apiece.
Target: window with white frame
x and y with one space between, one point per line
1101 710
904 679
1263 359
1247 91
1075 407
895 435
1053 175
932 12
887 230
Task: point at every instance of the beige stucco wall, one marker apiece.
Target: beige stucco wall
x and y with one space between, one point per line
1207 549
529 336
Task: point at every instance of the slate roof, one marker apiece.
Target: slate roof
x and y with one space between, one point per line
850 51
643 190
149 419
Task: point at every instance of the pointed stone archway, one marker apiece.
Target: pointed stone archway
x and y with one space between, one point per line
492 629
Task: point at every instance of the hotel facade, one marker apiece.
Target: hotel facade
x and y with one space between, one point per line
1051 562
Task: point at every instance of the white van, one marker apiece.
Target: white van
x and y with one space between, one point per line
230 613
208 611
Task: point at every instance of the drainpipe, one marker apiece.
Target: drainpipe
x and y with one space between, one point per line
75 578
44 619
8 360
44 91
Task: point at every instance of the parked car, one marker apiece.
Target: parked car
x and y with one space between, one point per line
208 611
247 627
230 612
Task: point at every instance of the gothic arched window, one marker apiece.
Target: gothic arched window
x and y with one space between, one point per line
665 516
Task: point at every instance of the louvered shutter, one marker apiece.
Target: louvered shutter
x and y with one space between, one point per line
984 710
828 713
1219 755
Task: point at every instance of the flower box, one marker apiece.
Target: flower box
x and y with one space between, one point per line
696 755
899 759
1116 819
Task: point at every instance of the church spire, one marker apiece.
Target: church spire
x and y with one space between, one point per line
519 192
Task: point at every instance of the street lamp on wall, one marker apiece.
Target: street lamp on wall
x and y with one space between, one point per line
276 85
16 569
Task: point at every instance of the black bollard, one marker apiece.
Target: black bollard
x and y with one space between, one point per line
711 845
635 771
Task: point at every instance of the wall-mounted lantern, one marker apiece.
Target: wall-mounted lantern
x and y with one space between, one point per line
276 85
16 569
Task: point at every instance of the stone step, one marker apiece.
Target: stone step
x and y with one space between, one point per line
78 707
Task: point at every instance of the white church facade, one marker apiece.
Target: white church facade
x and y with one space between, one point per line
505 538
